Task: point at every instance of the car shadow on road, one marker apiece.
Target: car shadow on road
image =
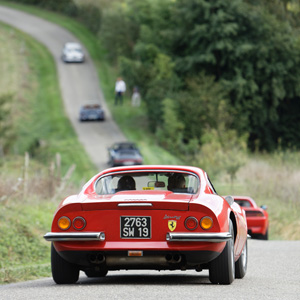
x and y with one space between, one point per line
147 279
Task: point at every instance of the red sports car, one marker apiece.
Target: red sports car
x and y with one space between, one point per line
257 217
148 217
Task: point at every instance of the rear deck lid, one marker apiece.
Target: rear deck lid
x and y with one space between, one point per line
137 200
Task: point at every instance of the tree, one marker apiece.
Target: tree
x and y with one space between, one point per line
248 51
248 47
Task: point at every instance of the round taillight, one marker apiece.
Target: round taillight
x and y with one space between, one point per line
191 223
206 223
79 223
64 223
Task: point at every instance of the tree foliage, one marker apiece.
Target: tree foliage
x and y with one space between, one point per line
244 54
252 54
199 53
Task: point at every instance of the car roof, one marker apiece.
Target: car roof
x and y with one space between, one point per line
91 105
144 168
162 168
125 145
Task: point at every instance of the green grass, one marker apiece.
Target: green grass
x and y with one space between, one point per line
38 117
24 255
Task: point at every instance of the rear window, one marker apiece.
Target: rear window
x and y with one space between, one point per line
177 182
243 203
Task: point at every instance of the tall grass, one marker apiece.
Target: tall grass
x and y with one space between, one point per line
28 199
271 180
31 188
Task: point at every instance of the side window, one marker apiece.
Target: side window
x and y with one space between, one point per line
104 186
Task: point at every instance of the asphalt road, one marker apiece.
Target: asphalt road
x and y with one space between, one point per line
273 268
273 273
79 84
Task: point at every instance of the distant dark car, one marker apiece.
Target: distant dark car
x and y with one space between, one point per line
124 154
91 112
257 217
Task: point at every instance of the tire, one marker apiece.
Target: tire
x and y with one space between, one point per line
262 236
266 235
222 269
63 272
93 273
241 263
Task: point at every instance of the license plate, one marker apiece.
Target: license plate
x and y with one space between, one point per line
135 227
93 116
128 163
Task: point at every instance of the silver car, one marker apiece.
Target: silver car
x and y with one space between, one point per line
72 52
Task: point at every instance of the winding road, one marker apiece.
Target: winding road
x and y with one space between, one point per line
79 84
273 267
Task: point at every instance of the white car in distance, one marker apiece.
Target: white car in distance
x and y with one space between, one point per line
72 52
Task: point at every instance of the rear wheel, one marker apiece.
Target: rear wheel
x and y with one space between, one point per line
63 272
222 269
241 263
266 235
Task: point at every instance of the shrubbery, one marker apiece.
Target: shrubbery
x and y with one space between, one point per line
251 53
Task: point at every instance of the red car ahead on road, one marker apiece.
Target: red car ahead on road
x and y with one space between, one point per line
148 217
257 217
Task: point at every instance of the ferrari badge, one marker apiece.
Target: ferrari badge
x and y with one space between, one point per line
172 225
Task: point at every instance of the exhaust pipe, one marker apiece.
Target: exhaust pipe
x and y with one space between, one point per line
177 258
96 258
173 258
169 257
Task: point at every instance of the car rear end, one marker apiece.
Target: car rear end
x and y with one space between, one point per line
134 230
257 221
127 157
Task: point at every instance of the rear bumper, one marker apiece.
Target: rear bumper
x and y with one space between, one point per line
217 237
74 236
257 226
126 163
177 251
214 237
72 59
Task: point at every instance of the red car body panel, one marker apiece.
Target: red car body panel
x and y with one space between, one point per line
103 212
257 217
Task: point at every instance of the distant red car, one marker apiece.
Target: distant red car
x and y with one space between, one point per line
148 217
257 217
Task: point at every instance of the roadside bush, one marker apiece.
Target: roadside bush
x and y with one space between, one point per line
170 134
90 16
66 7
